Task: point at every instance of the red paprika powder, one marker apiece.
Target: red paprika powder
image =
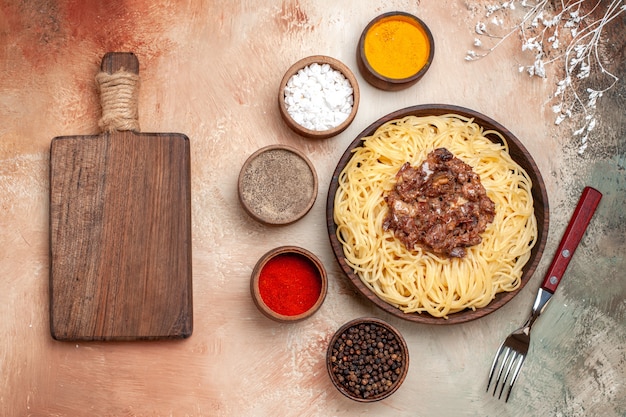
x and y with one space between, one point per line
290 284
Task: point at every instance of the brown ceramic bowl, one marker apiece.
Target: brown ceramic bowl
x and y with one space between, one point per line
294 69
517 151
385 81
295 272
341 361
277 185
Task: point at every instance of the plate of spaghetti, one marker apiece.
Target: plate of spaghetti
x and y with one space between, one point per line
437 214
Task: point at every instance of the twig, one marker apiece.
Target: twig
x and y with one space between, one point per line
569 23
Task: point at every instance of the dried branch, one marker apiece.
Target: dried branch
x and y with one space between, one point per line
559 32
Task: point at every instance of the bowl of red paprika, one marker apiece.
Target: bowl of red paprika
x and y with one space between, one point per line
288 284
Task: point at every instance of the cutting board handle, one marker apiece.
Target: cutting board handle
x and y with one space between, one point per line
118 83
113 62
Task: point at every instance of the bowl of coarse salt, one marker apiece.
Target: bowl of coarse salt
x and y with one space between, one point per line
318 97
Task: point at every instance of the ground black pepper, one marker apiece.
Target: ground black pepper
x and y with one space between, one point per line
367 360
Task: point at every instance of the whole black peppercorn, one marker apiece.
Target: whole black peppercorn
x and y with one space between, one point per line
367 360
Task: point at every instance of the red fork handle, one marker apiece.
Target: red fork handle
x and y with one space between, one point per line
583 213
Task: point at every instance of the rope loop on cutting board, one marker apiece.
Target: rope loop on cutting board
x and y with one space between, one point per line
118 97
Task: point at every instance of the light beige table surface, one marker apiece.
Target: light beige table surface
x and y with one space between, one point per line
211 70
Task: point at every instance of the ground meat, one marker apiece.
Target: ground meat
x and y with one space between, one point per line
440 205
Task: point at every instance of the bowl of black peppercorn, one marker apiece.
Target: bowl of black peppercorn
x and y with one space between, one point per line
367 359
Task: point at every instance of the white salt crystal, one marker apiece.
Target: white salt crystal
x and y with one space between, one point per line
319 97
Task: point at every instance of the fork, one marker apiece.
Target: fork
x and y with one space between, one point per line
513 350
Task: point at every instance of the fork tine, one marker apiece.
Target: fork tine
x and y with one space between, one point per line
515 375
493 365
507 351
508 371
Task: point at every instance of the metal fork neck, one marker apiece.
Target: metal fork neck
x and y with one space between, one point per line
541 301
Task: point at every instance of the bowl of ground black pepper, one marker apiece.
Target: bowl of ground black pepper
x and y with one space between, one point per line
288 284
395 50
367 359
277 185
318 97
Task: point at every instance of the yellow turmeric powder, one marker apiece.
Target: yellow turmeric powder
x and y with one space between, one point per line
396 47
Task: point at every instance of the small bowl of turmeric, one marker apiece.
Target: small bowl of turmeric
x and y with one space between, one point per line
395 50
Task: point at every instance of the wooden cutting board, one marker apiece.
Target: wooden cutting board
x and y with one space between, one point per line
120 232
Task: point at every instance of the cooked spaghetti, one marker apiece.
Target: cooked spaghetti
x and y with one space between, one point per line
419 280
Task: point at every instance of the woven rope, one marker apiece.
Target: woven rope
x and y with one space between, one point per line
118 98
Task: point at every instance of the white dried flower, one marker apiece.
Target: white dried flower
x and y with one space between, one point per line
585 70
491 9
531 44
551 22
538 17
594 95
580 50
540 28
562 85
539 68
591 125
565 81
480 28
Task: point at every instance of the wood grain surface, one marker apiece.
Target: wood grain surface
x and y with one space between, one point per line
211 70
120 233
